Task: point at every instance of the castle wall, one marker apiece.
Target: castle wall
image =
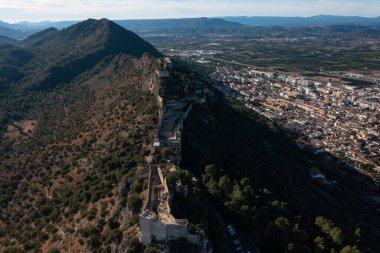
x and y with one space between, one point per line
146 229
177 231
155 230
146 204
161 109
159 231
163 180
161 175
194 239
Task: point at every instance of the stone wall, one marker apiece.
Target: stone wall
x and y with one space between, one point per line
146 228
162 179
159 231
146 204
154 230
161 110
176 231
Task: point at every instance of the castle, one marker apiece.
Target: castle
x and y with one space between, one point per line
161 226
157 224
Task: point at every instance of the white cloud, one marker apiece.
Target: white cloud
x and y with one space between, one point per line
35 10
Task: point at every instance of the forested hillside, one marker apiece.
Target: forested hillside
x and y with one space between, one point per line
76 119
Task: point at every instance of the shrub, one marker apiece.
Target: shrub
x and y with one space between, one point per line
53 250
134 203
151 250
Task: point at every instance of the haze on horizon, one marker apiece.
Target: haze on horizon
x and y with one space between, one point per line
58 10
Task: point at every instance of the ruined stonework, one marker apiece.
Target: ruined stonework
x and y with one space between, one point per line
154 230
157 224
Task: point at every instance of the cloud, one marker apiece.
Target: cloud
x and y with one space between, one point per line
35 10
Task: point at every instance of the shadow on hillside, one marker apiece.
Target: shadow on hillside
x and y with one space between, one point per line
244 144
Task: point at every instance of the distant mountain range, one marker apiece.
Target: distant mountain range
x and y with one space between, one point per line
224 25
189 25
321 20
14 33
37 25
22 30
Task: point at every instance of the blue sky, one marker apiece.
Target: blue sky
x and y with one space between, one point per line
38 10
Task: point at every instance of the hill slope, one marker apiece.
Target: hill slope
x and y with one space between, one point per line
259 179
73 125
5 40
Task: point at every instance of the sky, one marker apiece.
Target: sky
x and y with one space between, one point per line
55 10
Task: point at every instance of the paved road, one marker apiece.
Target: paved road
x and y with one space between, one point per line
236 241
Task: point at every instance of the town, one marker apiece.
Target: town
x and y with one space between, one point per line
331 116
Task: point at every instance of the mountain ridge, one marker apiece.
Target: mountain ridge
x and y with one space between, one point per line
202 25
93 33
262 20
6 40
80 47
319 20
